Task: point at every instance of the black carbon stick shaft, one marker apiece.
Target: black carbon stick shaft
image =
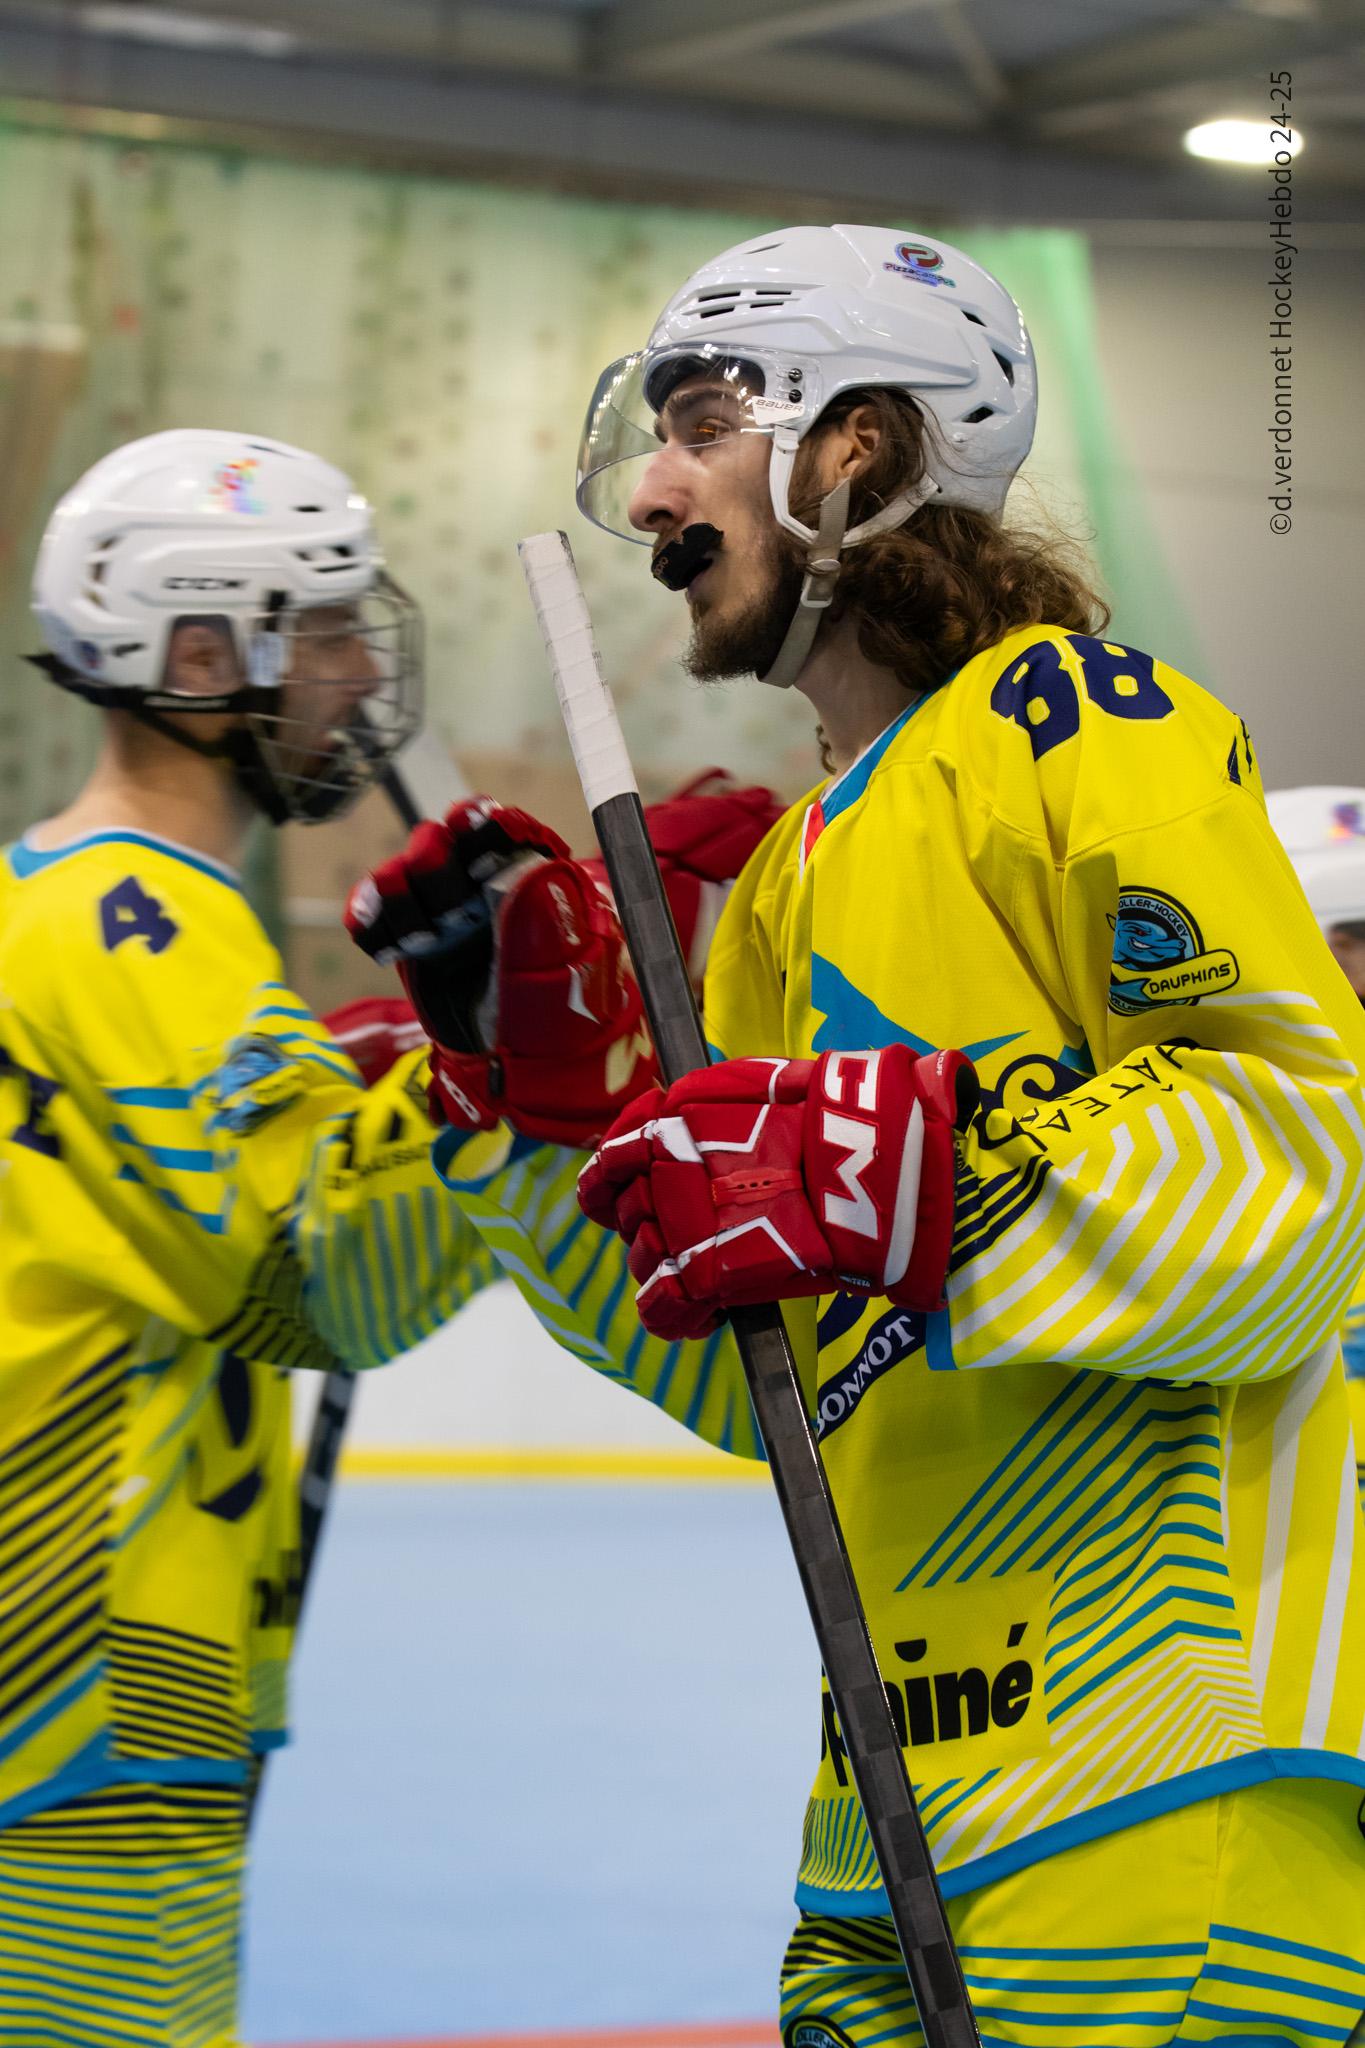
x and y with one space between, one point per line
875 1756
874 1752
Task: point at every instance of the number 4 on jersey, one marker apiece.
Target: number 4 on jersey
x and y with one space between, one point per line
128 912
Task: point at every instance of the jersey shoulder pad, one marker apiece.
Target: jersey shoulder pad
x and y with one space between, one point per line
1074 736
121 909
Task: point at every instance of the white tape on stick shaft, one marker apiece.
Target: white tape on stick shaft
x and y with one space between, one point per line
599 749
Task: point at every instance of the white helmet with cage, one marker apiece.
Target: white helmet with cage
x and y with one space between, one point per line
788 322
270 544
1322 829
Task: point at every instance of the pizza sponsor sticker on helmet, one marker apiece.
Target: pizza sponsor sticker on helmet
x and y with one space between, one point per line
918 261
1159 957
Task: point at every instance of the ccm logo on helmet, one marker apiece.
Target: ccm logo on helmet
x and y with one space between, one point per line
851 1081
203 583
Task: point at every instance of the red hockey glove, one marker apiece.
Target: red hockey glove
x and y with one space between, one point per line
374 1031
702 836
516 966
757 1180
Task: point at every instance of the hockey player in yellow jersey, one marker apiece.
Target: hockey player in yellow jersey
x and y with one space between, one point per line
1069 1331
195 1195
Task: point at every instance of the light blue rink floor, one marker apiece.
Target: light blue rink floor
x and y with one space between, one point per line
552 1744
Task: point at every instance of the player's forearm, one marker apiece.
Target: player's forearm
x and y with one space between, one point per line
523 1201
1189 1215
386 1255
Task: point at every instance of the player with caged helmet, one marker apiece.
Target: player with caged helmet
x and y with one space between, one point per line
229 591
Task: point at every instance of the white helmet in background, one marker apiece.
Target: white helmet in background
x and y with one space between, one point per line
790 320
273 546
1322 830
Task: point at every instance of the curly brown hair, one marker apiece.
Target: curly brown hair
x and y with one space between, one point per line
929 595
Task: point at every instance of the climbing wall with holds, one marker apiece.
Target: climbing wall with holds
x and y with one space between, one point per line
439 340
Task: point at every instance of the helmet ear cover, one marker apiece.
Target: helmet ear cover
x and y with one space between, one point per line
120 697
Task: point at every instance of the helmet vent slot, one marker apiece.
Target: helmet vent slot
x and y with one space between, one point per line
975 318
743 298
1005 364
983 412
327 561
95 570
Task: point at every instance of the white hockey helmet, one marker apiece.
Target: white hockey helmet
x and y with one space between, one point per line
790 320
1322 829
269 543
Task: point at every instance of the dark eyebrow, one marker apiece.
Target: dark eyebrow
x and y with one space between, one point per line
687 401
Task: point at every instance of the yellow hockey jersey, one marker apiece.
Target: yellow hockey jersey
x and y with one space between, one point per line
1102 1508
196 1194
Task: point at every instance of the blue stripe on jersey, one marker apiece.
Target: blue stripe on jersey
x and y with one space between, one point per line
938 1341
28 860
1199 2008
214 1224
49 1711
1257 1767
151 1098
314 1054
854 1020
1353 1350
1130 1952
1268 1980
184 1158
1273 1942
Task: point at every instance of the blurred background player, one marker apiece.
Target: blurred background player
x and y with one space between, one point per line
1068 1306
195 1195
1323 832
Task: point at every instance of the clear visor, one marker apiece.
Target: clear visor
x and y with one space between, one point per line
658 401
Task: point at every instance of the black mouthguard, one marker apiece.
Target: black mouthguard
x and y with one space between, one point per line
686 556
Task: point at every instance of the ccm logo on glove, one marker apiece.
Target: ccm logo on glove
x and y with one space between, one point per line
759 1180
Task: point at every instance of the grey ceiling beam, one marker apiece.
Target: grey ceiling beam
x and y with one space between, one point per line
628 143
987 80
1235 43
859 88
545 41
657 37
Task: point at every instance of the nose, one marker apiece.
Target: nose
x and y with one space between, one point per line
360 671
661 499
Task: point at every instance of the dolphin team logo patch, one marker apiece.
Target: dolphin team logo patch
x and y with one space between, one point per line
1160 958
814 2034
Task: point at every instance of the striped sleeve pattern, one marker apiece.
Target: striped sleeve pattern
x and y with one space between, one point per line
1190 1227
575 1278
386 1255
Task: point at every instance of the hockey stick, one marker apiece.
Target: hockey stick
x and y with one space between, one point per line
317 1475
338 1387
874 1751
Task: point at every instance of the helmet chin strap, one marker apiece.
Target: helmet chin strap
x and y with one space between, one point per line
824 546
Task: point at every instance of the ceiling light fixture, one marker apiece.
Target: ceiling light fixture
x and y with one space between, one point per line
185 31
1241 142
